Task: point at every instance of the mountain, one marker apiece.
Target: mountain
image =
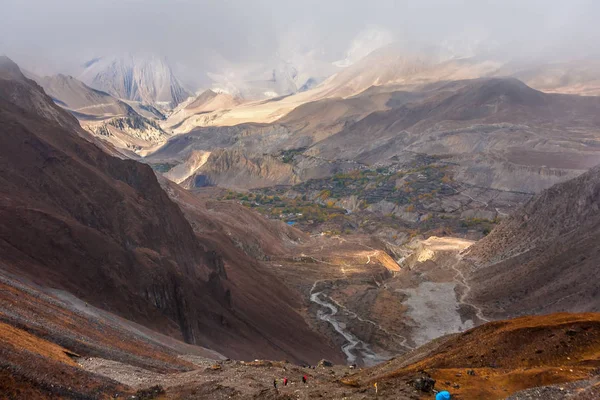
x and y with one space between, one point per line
543 258
108 118
206 102
387 66
81 100
503 134
24 93
144 78
572 77
133 133
495 133
101 229
393 65
115 279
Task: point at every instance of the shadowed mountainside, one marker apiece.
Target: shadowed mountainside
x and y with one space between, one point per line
101 228
543 258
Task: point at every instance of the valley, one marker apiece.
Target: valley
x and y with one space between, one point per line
389 225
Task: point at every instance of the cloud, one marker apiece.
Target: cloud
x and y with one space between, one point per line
368 40
202 35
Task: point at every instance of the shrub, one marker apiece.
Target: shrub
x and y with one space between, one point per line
446 178
325 194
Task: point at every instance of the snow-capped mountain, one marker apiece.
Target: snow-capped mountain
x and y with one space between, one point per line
145 78
277 77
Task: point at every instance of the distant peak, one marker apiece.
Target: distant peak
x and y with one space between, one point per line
6 62
9 69
208 92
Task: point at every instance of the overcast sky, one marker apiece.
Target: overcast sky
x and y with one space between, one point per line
204 34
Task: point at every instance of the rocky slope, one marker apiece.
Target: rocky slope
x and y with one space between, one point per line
132 132
543 258
26 94
101 228
236 168
43 331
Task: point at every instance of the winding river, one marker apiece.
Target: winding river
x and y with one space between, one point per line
356 350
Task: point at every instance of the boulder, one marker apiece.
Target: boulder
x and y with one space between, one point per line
325 363
424 384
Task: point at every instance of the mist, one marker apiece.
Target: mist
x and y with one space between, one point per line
217 35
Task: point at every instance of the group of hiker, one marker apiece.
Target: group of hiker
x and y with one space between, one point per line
285 381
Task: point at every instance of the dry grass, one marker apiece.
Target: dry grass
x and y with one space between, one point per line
508 356
19 339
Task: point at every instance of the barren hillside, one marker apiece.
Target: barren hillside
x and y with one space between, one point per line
543 258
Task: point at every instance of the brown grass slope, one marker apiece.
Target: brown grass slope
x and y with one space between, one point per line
504 356
544 258
40 336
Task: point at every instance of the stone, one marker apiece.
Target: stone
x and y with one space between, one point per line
325 363
424 384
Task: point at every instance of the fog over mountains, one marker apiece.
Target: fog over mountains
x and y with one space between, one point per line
305 36
297 200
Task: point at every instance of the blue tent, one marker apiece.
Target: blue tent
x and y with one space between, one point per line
445 395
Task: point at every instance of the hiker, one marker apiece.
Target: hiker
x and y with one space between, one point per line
284 381
304 379
275 383
443 395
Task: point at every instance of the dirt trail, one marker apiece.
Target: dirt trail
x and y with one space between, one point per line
461 280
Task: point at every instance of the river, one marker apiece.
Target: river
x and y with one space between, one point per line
356 351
